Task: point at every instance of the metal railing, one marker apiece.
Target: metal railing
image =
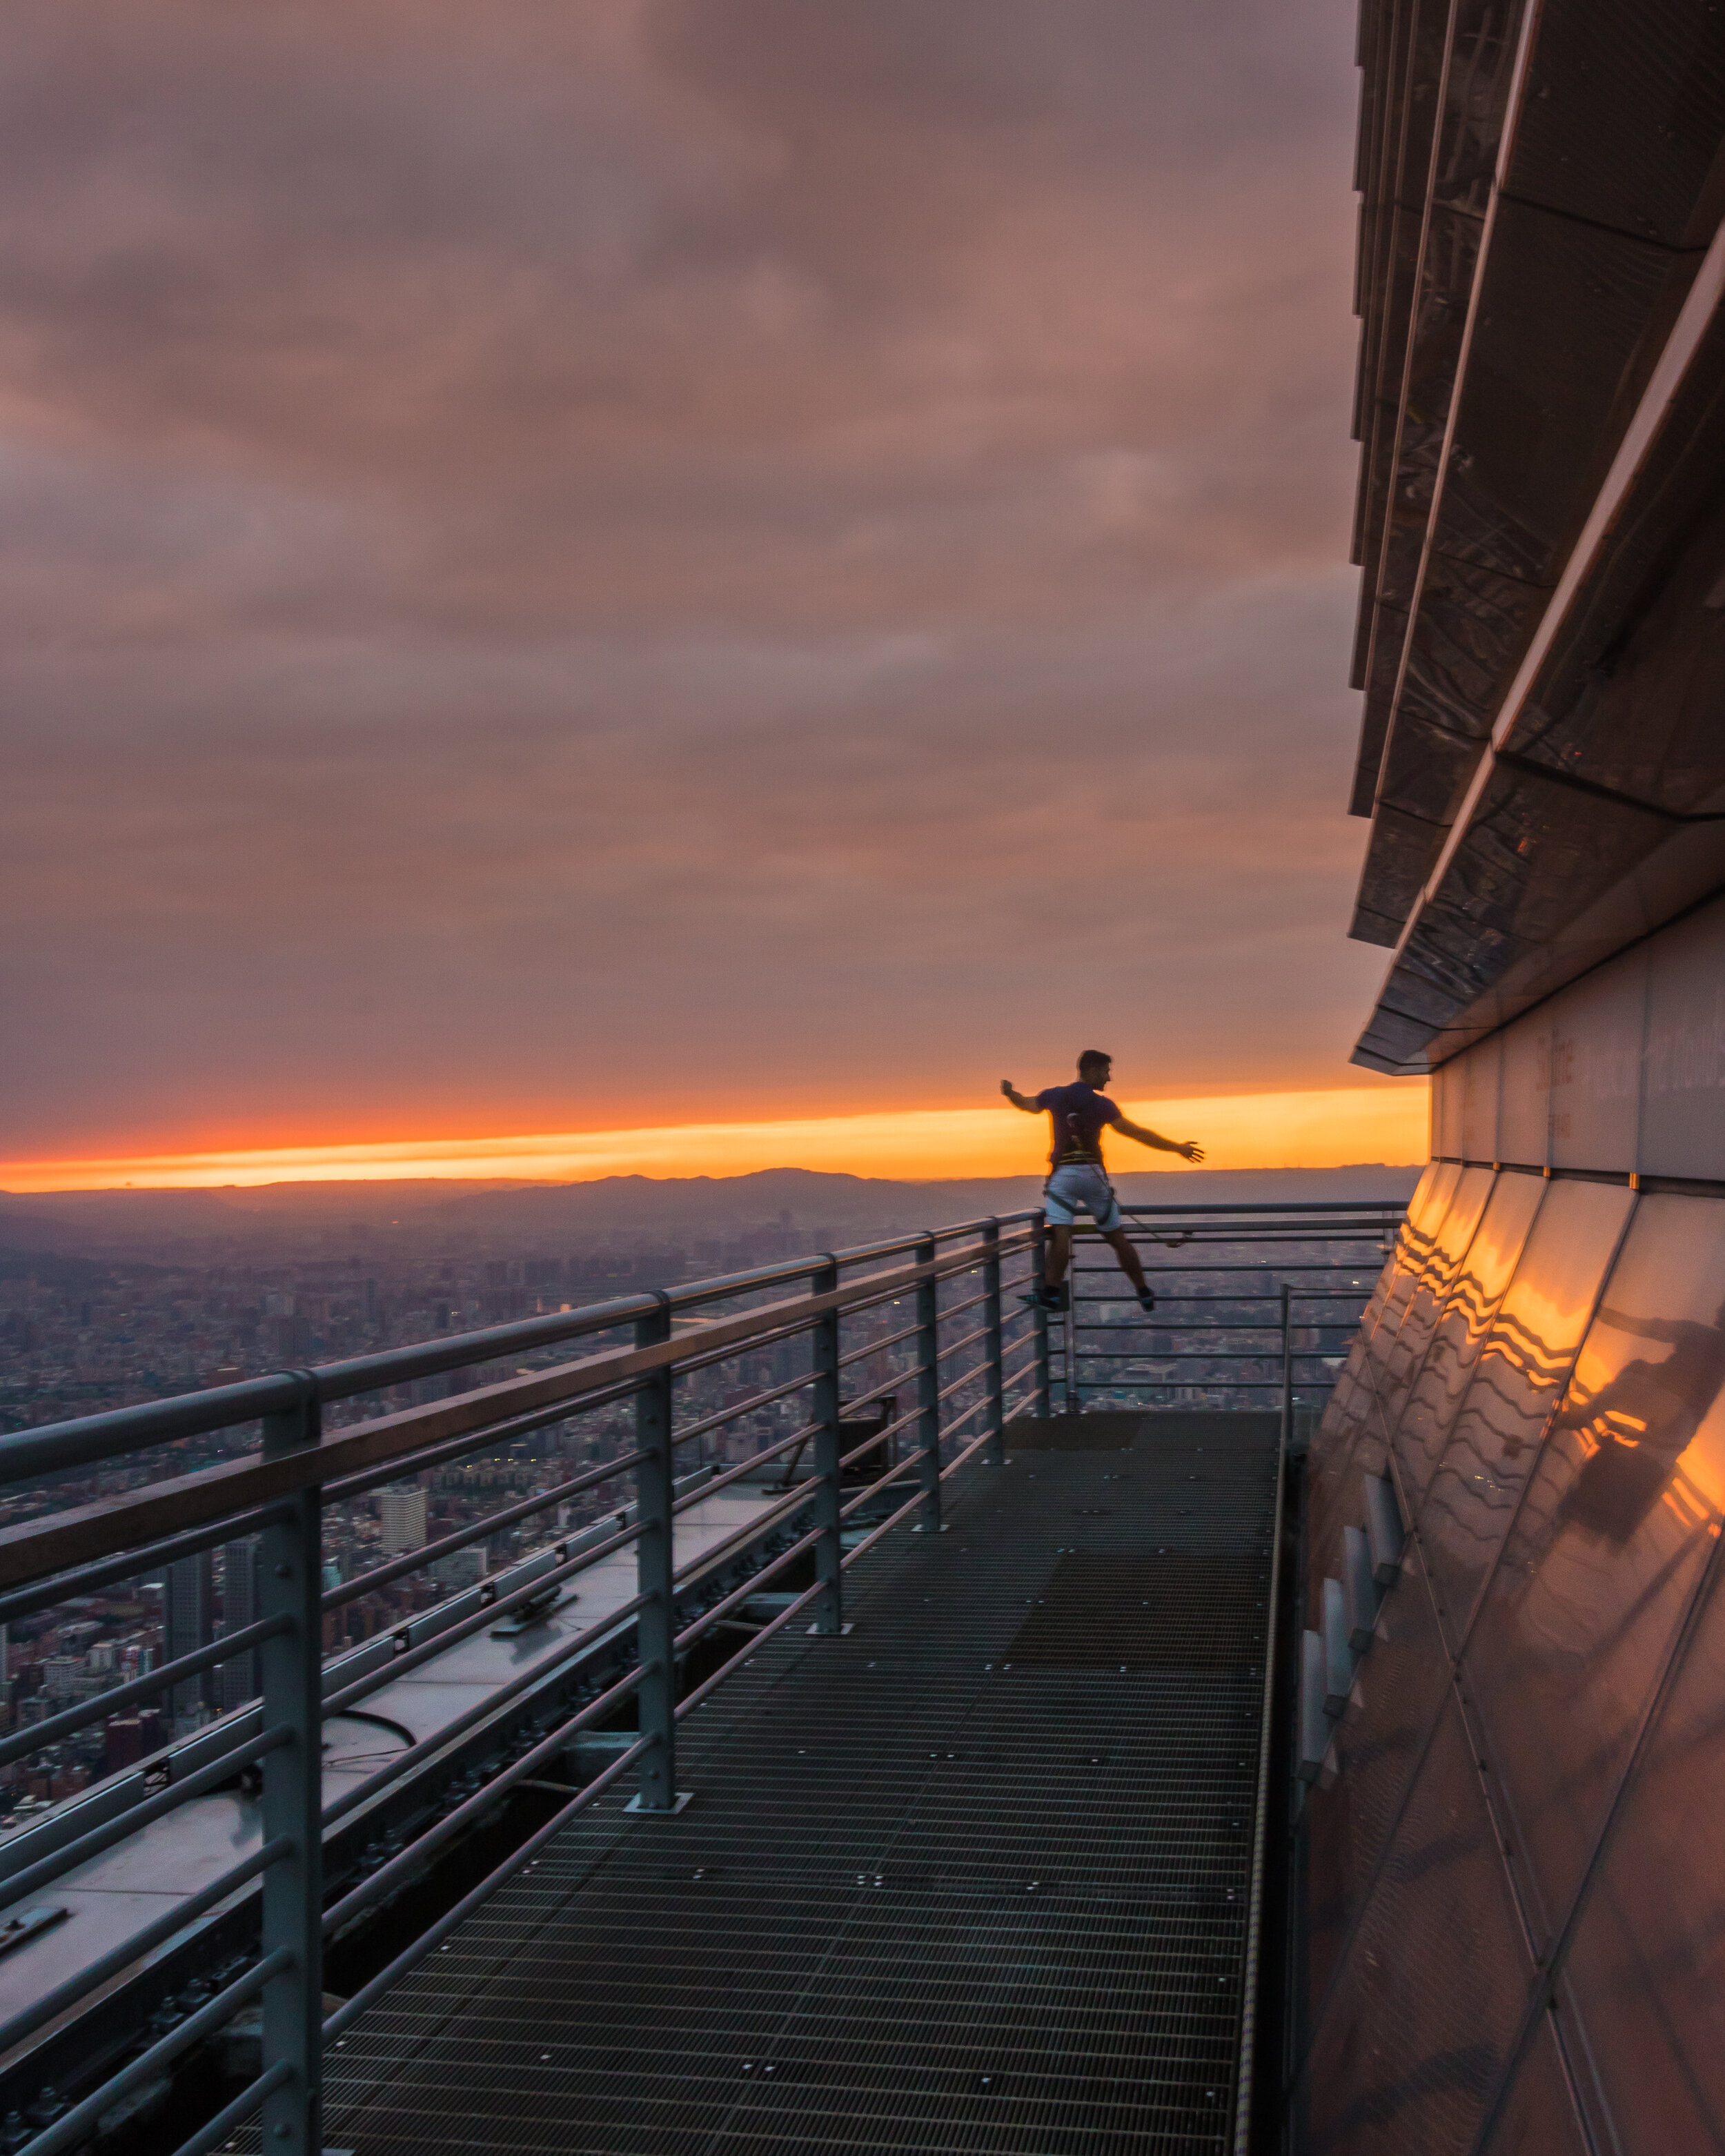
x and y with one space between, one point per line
1261 1313
842 1482
929 1319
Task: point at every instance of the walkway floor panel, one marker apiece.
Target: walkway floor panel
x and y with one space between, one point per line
973 1878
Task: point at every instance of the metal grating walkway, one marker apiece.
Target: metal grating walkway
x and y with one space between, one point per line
959 1881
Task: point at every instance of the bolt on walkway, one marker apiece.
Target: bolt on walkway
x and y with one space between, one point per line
974 1877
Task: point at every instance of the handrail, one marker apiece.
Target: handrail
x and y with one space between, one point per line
84 1532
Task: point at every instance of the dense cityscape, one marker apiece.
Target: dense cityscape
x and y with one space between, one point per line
79 1334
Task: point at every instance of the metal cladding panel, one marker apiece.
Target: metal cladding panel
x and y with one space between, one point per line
1354 1424
1420 2022
1614 1534
1596 1029
1524 1098
1623 116
1481 1086
1562 309
1643 1971
1683 1099
1423 1429
1538 2117
1378 1742
1399 1366
1524 1367
1447 1102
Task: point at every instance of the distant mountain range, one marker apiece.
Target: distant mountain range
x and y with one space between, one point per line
135 1222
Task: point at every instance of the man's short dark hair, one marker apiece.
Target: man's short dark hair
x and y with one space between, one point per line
1092 1058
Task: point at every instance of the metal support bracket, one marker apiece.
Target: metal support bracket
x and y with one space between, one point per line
290 1586
655 1574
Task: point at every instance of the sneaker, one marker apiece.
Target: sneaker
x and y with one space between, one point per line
1146 1301
1048 1298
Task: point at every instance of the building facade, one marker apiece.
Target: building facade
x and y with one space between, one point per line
1511 1892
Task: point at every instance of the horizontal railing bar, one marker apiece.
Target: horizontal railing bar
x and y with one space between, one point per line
720 1553
704 1691
52 1543
755 1400
899 1422
959 1309
71 1854
874 1347
341 1487
958 1421
427 1747
958 1384
886 1527
215 2131
85 1578
1165 1385
1243 1208
24 1454
369 1994
894 1474
384 1881
1197 1325
870 1444
1195 1355
744 1467
749 1588
39 1735
75 2125
416 1560
137 1944
964 1340
895 1383
969 1452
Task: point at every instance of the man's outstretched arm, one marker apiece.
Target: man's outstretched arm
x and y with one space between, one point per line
1154 1139
1018 1099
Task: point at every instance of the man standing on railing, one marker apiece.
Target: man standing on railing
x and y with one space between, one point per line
1077 1177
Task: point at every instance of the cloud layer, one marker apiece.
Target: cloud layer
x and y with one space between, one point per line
662 559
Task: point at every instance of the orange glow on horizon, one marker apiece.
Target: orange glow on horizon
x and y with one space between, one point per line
1329 1129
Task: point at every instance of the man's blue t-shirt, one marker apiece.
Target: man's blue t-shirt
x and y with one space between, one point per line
1080 1113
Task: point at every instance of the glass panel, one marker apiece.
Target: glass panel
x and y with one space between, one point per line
1409 2048
1526 1360
1350 1810
1619 1517
1646 1961
1539 2118
1401 1364
1424 1428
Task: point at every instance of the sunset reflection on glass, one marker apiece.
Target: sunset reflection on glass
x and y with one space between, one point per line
1526 1360
1620 1514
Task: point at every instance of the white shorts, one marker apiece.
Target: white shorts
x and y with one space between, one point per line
1080 1184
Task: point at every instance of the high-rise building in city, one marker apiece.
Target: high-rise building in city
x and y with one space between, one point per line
188 1623
402 1514
239 1680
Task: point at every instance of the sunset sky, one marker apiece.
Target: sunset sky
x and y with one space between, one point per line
610 566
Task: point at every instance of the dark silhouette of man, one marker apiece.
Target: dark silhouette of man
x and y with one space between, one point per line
1077 1177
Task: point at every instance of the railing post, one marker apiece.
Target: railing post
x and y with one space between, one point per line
993 1347
290 1585
1039 1320
1287 1369
829 1551
655 1578
928 1386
